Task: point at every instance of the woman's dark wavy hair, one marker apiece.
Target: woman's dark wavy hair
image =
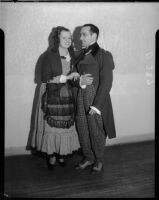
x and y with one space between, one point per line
54 39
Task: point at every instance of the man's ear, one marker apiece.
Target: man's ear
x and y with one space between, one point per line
94 36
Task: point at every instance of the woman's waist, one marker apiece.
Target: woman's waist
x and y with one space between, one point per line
56 86
59 90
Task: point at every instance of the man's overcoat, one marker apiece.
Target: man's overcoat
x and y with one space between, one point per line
103 60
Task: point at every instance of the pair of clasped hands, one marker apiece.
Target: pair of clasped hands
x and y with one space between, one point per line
85 79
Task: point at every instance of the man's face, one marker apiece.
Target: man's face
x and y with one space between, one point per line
86 36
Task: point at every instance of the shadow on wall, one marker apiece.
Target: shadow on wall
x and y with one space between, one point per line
76 38
37 80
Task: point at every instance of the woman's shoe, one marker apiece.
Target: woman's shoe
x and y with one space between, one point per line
51 163
50 166
62 162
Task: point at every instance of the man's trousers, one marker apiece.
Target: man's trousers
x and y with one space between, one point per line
90 127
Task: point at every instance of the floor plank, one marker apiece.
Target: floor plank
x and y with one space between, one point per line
128 172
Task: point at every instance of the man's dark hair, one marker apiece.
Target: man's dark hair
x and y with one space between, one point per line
93 28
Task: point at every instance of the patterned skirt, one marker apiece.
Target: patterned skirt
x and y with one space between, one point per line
58 105
55 130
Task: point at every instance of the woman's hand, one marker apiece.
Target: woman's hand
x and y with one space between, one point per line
73 75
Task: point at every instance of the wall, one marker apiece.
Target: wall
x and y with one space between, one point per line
126 29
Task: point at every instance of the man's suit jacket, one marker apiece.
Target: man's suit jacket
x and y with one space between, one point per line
101 67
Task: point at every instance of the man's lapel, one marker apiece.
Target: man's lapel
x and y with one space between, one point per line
89 56
88 59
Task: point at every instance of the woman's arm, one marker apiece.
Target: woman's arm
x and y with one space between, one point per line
64 78
46 72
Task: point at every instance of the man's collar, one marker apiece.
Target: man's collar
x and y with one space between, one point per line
92 43
89 45
93 48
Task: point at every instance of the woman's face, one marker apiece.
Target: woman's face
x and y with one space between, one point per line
65 39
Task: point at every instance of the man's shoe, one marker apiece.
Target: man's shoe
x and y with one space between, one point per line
98 166
83 165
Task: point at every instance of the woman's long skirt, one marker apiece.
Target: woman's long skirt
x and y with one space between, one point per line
51 139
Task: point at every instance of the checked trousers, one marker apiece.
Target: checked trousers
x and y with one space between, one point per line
90 127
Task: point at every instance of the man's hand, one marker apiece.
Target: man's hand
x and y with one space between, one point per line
86 79
92 112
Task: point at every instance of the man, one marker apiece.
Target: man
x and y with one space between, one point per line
94 116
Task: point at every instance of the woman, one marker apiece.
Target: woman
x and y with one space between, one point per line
56 133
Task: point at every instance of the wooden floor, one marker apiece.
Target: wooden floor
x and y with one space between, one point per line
128 172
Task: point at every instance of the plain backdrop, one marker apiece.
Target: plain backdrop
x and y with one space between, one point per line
127 30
